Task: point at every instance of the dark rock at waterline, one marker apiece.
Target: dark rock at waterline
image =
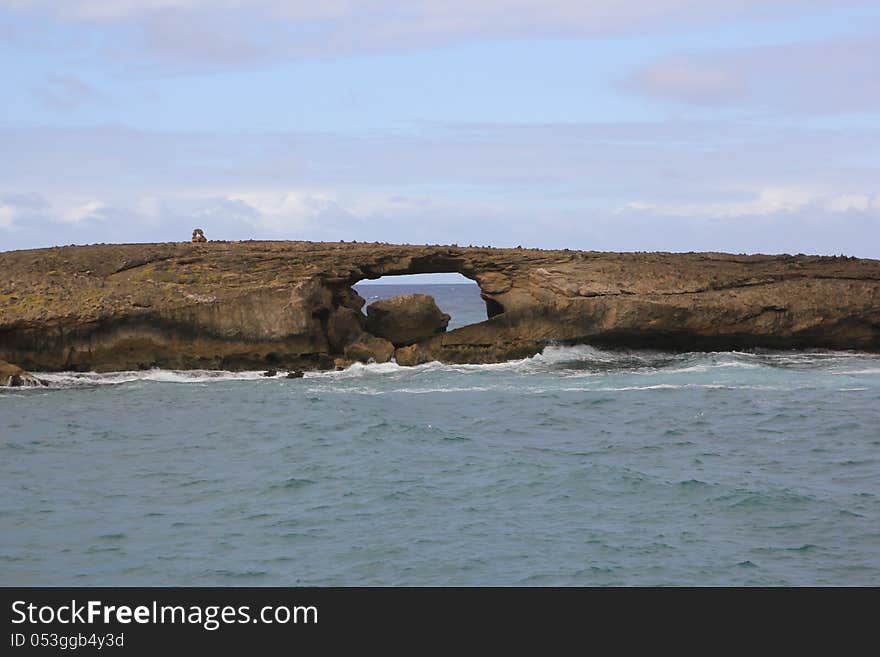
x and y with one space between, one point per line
270 373
13 376
406 319
324 362
295 374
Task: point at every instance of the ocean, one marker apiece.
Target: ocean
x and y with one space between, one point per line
578 466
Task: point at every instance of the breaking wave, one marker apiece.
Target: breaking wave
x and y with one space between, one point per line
566 362
71 379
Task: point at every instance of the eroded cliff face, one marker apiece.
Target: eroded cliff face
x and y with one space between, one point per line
236 305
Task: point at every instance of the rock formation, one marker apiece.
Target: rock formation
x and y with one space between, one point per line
14 376
199 236
290 305
369 348
406 319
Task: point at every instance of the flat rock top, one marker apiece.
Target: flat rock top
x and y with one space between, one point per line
416 303
87 283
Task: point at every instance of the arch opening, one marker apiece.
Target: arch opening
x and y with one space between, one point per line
457 296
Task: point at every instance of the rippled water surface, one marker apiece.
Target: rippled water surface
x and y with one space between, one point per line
577 466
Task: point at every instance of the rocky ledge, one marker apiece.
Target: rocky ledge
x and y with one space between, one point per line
13 376
259 305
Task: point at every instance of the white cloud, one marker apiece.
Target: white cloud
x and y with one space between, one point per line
225 31
149 207
845 202
762 202
64 91
81 211
776 221
7 216
638 186
287 210
696 82
596 13
835 75
18 211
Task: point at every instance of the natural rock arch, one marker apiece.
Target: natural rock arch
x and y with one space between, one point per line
453 293
434 263
237 305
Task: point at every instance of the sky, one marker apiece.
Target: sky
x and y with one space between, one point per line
744 126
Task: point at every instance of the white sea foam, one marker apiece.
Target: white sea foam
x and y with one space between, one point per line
540 390
559 354
69 379
572 362
362 390
683 386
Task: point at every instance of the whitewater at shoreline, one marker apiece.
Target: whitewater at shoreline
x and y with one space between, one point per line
571 362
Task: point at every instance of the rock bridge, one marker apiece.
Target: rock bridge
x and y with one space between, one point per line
249 305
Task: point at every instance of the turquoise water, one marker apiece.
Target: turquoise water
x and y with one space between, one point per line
576 467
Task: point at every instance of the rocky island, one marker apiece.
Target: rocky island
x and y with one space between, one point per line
258 305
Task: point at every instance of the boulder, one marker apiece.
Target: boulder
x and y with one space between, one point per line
368 347
343 327
409 356
13 376
343 363
406 319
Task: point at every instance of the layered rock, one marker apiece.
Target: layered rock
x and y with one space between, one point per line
290 305
406 319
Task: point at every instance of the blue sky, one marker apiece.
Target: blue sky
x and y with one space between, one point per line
675 125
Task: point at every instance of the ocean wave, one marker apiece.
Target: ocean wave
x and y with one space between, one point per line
594 360
73 379
542 390
574 362
364 390
673 386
